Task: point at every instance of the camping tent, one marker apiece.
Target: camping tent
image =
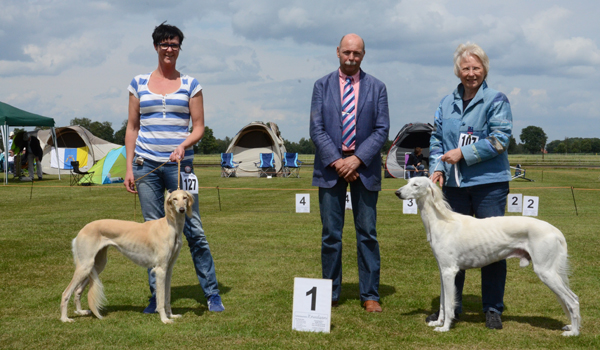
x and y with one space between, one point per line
253 139
12 116
113 165
410 136
75 143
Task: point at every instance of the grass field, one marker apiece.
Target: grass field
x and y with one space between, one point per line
259 245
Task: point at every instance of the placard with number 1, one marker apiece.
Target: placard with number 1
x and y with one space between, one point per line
312 305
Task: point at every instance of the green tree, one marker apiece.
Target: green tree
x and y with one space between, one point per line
223 144
208 143
120 134
512 146
306 146
103 130
533 138
83 122
552 146
386 146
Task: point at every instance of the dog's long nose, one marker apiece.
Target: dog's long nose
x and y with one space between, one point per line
182 210
398 193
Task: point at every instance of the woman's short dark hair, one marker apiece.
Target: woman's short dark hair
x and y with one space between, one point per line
164 32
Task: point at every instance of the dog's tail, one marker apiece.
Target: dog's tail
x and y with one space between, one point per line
96 299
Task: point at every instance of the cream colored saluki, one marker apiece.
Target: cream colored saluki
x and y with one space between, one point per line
464 242
154 244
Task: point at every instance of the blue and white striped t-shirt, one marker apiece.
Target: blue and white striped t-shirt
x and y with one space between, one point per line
164 119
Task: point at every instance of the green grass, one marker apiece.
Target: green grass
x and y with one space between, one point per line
259 245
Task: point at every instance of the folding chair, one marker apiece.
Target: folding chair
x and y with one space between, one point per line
519 173
266 165
291 165
77 175
228 166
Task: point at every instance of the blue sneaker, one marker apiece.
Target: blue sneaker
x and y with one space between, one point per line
215 304
151 308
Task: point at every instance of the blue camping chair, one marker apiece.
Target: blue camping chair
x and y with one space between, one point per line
291 165
266 165
228 166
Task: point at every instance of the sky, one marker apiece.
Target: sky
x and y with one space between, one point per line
259 59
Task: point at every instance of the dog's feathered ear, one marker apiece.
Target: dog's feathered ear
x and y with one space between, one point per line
432 189
190 203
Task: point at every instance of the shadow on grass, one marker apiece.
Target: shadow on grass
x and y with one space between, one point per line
179 292
473 313
350 291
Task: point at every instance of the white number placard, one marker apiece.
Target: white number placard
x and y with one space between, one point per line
467 139
409 206
189 182
515 203
302 203
312 305
531 205
348 201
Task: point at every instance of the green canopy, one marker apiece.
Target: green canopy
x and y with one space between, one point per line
13 116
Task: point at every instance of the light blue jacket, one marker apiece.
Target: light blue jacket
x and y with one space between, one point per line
482 132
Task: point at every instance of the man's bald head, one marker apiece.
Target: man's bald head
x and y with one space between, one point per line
351 52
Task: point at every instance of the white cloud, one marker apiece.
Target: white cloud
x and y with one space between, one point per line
259 59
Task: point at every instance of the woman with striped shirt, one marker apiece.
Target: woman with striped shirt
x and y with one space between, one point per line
161 105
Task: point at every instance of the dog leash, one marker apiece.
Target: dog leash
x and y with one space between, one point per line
138 179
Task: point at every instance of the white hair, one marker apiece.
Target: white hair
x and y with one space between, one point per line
470 49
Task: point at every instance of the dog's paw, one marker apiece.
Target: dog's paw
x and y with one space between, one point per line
83 312
167 321
437 323
441 329
570 334
569 331
66 319
175 316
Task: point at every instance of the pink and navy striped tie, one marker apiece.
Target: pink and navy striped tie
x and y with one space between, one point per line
348 114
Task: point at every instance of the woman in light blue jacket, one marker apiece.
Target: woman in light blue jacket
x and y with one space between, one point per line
468 158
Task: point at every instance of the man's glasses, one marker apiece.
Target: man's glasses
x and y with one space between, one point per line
166 46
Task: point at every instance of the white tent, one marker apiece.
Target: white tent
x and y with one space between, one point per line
73 143
253 139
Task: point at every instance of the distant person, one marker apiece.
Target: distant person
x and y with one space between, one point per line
415 165
349 123
33 153
468 155
161 105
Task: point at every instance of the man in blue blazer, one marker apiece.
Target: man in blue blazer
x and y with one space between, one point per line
349 123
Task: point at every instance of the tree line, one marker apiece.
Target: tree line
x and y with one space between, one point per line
533 141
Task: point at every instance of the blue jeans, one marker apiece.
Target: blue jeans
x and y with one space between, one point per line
151 190
411 170
483 201
332 203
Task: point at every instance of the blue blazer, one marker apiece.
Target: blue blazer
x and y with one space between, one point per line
372 128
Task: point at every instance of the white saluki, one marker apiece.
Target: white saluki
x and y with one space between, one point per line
154 244
464 242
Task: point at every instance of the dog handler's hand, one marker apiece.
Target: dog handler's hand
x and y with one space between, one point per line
437 176
177 154
452 156
129 182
